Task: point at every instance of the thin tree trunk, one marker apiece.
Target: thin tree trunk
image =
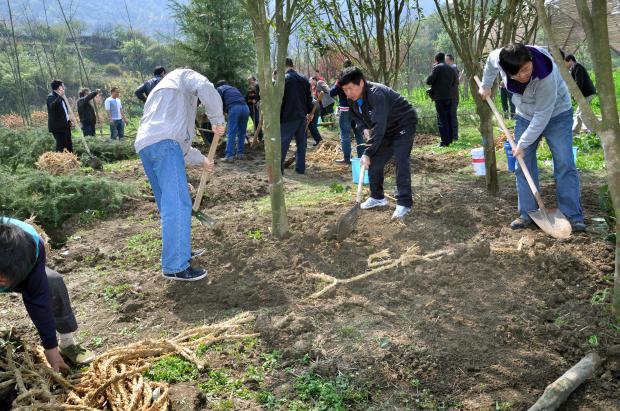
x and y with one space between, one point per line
594 23
271 99
20 83
49 30
81 60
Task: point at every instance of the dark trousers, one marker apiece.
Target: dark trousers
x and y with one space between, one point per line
313 126
454 119
255 116
61 304
400 149
506 97
296 129
88 129
63 141
445 119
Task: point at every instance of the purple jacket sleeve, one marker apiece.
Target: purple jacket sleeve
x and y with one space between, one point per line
38 301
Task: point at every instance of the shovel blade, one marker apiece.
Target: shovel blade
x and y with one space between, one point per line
347 224
203 218
552 221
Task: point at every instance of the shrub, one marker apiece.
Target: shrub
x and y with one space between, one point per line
112 69
55 199
24 147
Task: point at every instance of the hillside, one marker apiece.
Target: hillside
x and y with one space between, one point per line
151 17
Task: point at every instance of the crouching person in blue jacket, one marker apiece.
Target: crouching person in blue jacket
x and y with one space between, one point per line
543 108
23 270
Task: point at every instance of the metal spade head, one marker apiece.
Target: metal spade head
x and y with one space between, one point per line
347 224
203 218
552 221
95 163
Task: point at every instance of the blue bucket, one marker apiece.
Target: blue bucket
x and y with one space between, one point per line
575 154
355 171
511 159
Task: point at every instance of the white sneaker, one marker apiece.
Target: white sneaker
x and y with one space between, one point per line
373 202
400 212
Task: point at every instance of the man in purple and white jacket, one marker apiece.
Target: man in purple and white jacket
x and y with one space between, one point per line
543 108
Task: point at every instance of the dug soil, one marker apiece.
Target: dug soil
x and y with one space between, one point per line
490 324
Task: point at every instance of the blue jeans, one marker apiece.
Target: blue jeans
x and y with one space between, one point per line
297 129
559 137
238 116
117 129
346 124
165 168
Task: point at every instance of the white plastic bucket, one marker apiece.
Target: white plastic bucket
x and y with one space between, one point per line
477 160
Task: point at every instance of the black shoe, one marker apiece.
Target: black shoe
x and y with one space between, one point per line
342 161
189 274
578 226
197 253
316 143
521 223
442 145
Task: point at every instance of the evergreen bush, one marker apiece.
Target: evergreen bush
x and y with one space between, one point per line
54 199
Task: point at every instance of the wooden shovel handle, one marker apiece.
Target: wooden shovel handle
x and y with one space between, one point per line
526 171
75 123
360 184
205 172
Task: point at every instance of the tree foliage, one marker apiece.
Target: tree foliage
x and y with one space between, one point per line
375 34
219 38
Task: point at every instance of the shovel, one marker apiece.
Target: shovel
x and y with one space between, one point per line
200 216
347 224
551 220
94 162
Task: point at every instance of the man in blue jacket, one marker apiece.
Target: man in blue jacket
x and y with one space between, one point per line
294 113
238 115
543 108
23 270
390 123
145 88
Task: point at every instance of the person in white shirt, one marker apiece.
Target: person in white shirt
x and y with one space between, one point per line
164 144
116 116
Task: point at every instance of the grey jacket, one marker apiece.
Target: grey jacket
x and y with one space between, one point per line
541 100
170 112
326 100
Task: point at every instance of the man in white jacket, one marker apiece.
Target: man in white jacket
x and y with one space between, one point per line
164 144
543 108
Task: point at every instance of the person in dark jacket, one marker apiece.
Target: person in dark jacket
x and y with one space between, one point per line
252 97
23 270
586 86
86 111
346 123
444 84
58 121
390 123
294 114
145 89
455 99
238 114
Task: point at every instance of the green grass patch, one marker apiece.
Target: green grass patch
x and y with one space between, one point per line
310 196
172 369
337 394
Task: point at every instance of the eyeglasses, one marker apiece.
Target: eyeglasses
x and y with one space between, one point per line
525 71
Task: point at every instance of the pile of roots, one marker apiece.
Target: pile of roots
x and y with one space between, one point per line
58 164
114 381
